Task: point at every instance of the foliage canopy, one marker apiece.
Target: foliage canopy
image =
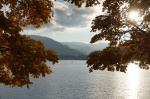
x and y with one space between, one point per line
128 38
21 56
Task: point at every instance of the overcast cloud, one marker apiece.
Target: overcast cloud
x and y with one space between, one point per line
68 20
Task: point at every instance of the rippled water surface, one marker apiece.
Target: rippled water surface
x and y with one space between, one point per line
72 80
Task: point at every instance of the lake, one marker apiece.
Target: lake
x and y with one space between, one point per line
71 80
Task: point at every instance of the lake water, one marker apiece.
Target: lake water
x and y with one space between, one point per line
72 80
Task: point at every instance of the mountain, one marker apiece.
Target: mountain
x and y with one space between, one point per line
63 51
85 48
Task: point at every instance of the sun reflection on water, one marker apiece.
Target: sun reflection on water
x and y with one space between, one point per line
133 74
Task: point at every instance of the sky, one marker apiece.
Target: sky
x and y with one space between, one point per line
69 24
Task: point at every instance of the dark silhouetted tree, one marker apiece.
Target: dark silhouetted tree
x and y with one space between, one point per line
126 25
20 56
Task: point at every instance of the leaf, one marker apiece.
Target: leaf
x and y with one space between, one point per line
121 32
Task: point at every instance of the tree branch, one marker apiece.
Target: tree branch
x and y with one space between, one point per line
137 27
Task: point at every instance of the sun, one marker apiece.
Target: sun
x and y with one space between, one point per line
133 15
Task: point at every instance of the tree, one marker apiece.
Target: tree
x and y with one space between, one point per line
21 56
128 35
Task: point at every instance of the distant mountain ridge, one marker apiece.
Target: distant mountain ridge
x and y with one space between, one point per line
63 51
69 50
85 48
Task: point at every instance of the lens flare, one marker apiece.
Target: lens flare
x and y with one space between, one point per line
133 15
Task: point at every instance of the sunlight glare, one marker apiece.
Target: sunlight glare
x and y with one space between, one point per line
133 15
133 74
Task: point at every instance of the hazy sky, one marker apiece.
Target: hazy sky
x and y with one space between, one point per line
69 23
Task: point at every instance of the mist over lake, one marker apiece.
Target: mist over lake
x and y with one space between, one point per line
71 80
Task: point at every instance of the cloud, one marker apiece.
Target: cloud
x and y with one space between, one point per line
68 20
67 15
72 16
